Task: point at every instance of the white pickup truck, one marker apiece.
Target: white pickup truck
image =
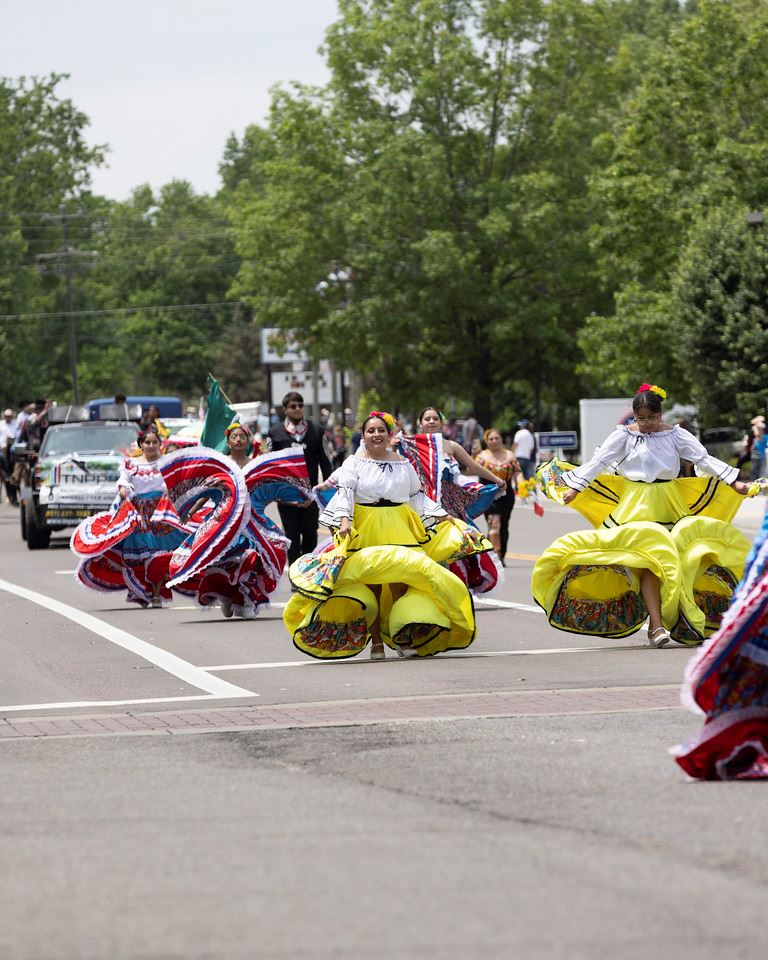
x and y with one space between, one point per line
73 476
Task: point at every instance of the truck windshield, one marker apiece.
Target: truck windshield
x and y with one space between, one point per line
88 438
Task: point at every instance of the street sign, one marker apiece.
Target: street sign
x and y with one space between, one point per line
280 346
557 440
302 382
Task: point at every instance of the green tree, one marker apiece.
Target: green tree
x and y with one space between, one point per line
288 215
721 292
44 162
236 359
165 265
446 165
692 137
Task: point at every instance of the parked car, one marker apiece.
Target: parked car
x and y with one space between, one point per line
72 476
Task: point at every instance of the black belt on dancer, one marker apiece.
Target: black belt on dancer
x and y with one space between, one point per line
382 503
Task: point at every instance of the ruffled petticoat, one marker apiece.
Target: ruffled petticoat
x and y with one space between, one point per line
588 582
242 581
130 548
330 613
235 555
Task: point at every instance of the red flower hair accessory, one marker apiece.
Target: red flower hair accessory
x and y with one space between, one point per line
652 388
389 420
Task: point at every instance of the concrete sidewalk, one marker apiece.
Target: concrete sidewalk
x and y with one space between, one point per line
344 713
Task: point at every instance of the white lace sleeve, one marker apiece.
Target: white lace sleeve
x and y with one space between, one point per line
613 448
342 503
689 448
124 480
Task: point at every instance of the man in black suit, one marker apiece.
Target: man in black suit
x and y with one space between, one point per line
300 522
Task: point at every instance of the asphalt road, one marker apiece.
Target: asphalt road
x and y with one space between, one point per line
176 785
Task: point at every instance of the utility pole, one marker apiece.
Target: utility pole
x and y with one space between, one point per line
66 262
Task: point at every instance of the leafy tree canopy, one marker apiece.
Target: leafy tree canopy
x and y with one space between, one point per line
721 293
44 163
446 165
167 261
692 138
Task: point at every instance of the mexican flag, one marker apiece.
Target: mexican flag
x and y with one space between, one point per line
218 417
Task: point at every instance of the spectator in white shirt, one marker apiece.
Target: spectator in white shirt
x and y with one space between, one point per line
524 445
8 430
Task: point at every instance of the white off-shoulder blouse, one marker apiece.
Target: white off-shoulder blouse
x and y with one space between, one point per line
140 478
648 457
363 481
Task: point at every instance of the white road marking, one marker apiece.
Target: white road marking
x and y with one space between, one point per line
101 703
507 605
452 655
65 573
188 672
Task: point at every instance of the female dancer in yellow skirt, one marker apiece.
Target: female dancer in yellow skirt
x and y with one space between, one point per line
665 549
384 578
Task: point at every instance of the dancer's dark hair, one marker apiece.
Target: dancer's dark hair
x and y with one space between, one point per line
647 398
145 433
437 410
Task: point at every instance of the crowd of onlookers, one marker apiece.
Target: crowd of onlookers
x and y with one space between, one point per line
341 440
28 425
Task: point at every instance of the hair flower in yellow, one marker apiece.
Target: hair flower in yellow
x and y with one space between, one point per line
389 420
659 391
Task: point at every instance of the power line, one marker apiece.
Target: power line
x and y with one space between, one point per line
66 262
106 216
125 261
123 310
104 226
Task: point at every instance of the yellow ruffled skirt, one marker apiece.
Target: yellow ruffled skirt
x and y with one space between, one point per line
612 501
712 559
397 526
333 606
589 582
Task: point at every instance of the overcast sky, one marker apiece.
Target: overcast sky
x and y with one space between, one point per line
164 82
